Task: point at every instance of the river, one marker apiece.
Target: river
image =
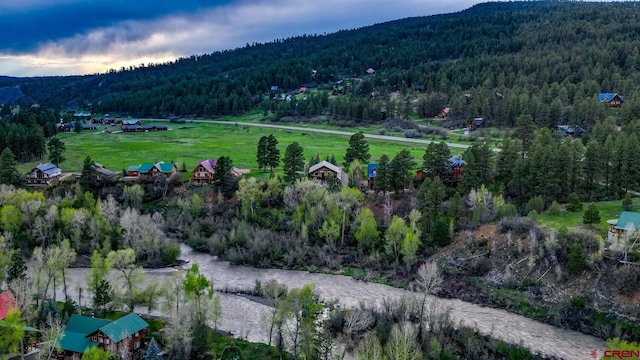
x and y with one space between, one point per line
242 317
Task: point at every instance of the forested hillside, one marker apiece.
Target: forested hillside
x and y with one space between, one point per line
494 60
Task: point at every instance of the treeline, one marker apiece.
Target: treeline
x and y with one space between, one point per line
25 132
494 60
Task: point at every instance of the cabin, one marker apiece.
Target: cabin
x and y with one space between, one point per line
324 169
570 130
65 127
370 71
203 172
612 99
43 174
123 336
622 228
82 114
104 173
455 164
151 170
134 122
89 126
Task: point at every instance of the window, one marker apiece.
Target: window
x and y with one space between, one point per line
94 338
106 341
136 345
100 340
136 334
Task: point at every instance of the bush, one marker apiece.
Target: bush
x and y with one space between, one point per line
519 225
626 280
170 254
591 215
554 209
577 261
506 210
575 203
536 204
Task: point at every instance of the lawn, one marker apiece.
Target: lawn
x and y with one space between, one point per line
608 210
189 142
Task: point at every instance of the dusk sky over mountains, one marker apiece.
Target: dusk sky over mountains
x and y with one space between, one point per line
67 37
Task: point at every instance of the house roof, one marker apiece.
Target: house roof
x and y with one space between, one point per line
131 122
274 88
606 97
628 220
208 164
145 168
7 303
89 126
82 113
74 337
133 168
47 168
456 161
123 327
326 164
165 167
371 169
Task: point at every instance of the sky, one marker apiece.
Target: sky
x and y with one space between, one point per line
74 37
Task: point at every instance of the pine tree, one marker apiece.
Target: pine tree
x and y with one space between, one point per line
382 180
222 175
436 160
89 177
293 162
577 261
358 149
153 351
591 215
9 173
575 204
272 154
56 150
401 166
261 154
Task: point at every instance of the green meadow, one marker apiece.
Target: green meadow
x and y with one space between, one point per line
189 142
608 210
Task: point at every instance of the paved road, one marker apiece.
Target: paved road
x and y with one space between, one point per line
337 132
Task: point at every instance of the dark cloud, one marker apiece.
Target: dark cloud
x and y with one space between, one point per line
25 26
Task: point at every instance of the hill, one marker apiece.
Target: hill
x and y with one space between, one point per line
494 60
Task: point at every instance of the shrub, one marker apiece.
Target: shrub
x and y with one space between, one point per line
506 210
591 215
627 203
577 261
170 254
626 280
536 204
519 225
554 209
575 204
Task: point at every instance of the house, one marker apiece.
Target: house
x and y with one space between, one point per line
614 100
204 170
370 71
131 128
150 170
43 174
622 228
123 336
89 126
274 88
104 173
303 90
131 122
82 114
372 170
570 130
7 303
324 169
455 164
203 173
65 127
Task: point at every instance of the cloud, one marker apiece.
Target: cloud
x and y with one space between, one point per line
122 36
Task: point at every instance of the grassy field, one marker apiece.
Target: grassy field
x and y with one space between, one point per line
608 210
189 142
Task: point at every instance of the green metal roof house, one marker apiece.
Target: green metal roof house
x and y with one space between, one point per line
619 229
83 332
